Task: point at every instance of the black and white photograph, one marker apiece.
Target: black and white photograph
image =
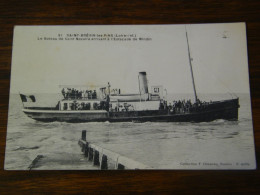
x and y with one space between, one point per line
119 97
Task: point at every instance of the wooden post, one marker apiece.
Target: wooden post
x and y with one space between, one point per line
83 147
90 154
104 163
96 158
120 166
84 135
86 151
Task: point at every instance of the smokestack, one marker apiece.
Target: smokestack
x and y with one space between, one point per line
143 85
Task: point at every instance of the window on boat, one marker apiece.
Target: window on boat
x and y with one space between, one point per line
72 106
95 106
87 106
79 106
65 106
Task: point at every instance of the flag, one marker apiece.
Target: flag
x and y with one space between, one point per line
23 98
30 98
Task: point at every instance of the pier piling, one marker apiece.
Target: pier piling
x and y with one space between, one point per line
84 135
90 154
103 165
120 167
83 148
105 158
96 158
86 150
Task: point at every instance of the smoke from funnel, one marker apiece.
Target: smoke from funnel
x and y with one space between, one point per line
143 83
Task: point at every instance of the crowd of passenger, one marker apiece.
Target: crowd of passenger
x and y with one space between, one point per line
85 106
123 108
183 106
71 93
180 106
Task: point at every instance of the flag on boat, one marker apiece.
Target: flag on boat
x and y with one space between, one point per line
27 98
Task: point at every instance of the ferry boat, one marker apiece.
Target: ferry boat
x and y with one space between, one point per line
105 104
146 106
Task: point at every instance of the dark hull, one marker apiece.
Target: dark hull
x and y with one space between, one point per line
227 110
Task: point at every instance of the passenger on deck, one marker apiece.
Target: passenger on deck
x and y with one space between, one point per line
79 106
170 107
81 95
76 94
125 107
63 93
69 93
86 94
131 108
72 95
161 107
94 95
90 94
66 93
186 106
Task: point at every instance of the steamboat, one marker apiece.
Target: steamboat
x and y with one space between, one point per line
106 104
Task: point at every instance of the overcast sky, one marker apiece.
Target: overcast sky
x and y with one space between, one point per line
218 51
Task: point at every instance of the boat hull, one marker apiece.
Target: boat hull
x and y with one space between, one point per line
66 116
227 110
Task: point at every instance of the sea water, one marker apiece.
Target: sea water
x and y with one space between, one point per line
219 144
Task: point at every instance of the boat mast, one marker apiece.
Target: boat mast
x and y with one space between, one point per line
193 83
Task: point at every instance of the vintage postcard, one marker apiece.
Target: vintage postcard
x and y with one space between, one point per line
130 97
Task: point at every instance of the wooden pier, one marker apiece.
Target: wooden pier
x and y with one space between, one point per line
107 159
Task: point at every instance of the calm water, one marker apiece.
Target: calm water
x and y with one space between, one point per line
213 145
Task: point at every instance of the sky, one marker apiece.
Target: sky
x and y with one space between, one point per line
218 52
